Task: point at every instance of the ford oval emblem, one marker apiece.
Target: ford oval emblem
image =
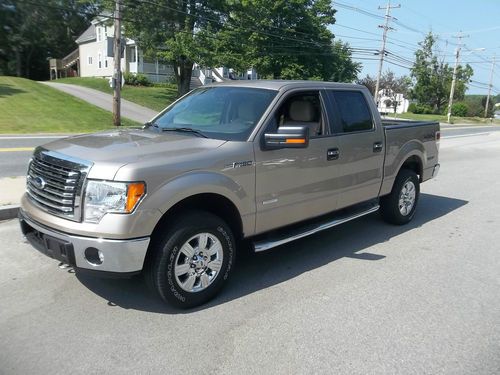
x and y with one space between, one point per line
39 182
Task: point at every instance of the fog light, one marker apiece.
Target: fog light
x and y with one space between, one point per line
94 256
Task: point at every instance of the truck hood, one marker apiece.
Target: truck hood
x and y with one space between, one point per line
110 150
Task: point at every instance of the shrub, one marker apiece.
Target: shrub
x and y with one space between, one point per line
136 79
459 109
419 109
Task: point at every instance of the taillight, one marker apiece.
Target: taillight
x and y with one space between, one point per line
438 137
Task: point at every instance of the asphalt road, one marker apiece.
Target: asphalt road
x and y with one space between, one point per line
15 151
362 298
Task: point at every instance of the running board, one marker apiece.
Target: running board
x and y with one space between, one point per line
284 236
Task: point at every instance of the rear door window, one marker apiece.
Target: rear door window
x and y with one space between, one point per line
352 110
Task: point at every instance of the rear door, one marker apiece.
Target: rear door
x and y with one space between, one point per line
361 146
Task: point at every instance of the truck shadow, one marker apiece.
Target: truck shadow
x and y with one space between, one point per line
255 272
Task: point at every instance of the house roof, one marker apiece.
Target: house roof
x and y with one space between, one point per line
87 36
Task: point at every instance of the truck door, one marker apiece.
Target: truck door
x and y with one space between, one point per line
293 184
361 146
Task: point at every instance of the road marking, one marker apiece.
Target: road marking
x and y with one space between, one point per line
465 135
469 127
16 149
37 137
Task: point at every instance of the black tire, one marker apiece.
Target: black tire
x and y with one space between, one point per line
161 263
389 204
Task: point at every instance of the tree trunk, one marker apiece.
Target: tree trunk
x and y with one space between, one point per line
18 63
28 63
183 72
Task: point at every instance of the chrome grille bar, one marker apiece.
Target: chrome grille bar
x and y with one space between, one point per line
55 183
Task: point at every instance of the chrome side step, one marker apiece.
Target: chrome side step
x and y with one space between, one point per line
285 236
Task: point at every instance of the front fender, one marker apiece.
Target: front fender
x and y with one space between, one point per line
202 182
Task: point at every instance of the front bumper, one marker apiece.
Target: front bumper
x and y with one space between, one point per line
118 256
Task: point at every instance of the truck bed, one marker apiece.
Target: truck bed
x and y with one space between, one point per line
390 124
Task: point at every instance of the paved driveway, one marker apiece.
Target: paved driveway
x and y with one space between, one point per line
128 109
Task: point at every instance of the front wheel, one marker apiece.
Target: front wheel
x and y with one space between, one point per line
192 261
399 206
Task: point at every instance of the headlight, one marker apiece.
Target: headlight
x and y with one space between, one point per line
102 197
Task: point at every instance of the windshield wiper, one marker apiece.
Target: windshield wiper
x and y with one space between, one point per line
184 129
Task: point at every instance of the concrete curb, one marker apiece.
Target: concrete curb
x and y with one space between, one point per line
9 212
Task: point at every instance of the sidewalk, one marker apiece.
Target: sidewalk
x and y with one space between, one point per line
12 189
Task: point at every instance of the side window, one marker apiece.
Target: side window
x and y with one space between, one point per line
354 113
300 109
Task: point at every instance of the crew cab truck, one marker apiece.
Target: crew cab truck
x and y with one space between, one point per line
257 162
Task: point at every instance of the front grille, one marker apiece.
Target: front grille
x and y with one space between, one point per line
55 184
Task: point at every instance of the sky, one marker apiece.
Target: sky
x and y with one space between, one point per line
479 20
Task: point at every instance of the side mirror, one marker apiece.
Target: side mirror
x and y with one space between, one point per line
287 137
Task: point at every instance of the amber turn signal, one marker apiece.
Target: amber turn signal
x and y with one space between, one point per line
135 192
295 140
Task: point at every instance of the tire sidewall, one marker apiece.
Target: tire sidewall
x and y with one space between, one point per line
414 179
166 283
390 203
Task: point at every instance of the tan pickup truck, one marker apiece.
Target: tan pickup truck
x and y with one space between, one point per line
247 162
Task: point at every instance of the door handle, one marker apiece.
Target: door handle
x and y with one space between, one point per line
332 154
378 146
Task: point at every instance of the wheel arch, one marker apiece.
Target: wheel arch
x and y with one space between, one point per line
214 203
413 162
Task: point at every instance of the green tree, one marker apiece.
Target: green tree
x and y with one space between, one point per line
33 33
280 39
177 32
432 78
284 40
392 84
491 106
368 81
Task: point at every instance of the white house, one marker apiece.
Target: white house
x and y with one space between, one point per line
385 102
94 58
95 48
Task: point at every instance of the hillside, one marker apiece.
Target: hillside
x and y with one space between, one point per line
30 107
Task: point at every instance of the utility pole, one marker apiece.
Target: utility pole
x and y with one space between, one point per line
453 82
117 74
386 28
489 87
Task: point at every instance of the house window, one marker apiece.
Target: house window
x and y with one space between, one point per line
99 33
90 60
105 63
133 57
105 31
99 61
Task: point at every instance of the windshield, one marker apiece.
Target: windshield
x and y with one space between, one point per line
228 113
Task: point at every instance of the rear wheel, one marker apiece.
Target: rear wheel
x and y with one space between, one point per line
399 206
191 262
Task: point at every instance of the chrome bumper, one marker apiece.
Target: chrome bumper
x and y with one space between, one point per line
435 171
118 256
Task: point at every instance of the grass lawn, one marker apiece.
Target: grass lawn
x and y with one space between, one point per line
31 107
442 118
154 97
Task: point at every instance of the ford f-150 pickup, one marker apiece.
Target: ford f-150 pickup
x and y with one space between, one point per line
246 162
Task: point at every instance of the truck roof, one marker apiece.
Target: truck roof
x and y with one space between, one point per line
285 84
